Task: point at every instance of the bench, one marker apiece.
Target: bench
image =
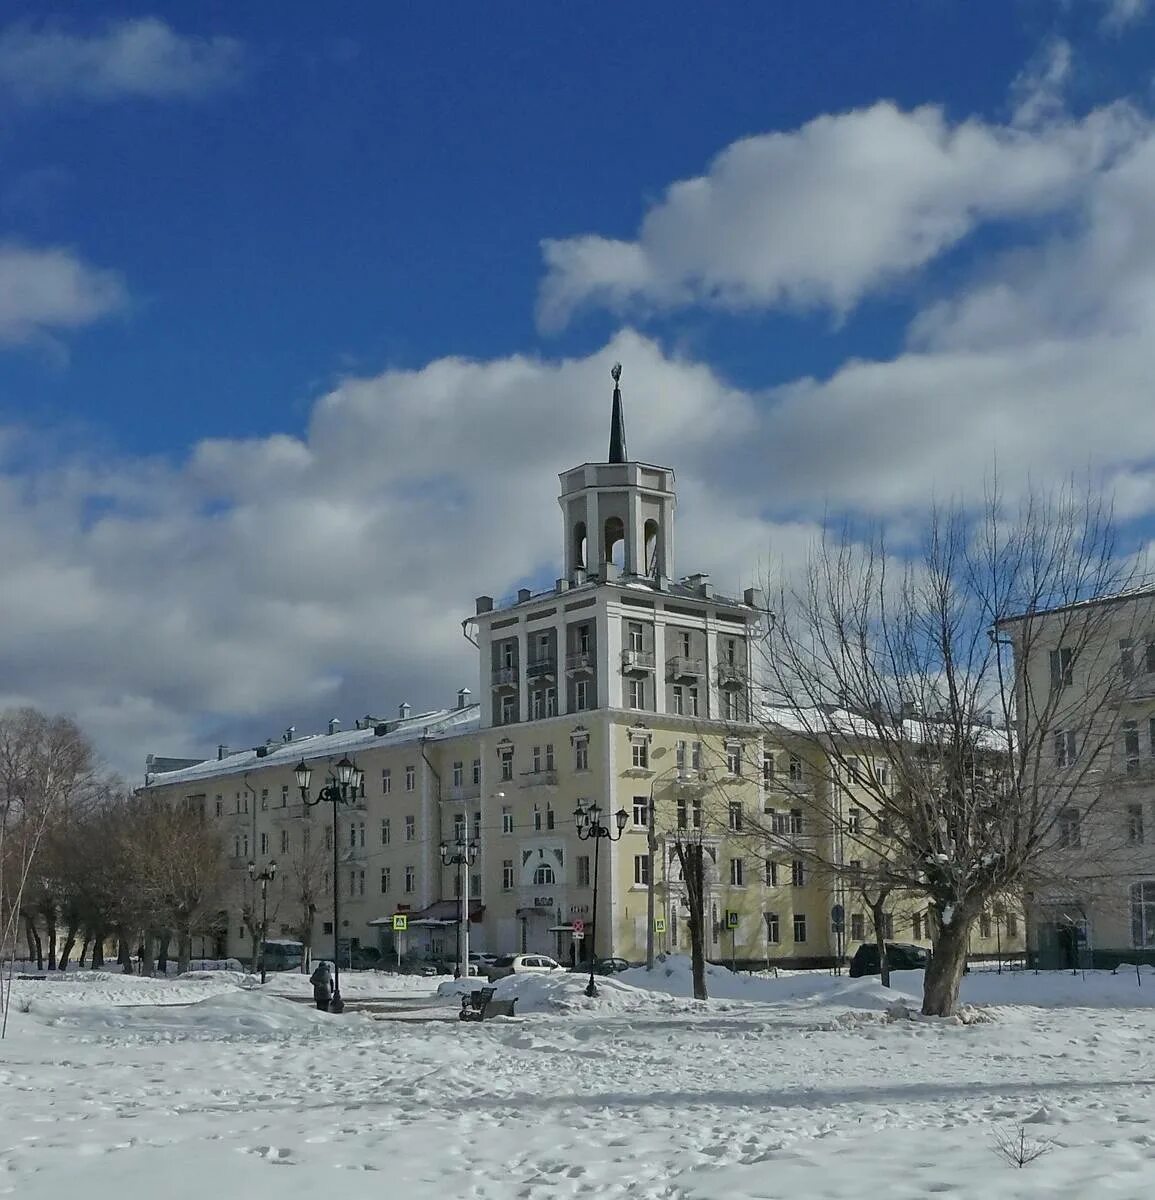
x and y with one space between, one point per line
479 1005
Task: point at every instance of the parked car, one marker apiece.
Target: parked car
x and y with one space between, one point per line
281 954
609 966
901 956
522 964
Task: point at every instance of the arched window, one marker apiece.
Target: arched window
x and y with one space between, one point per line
543 875
579 544
653 567
616 542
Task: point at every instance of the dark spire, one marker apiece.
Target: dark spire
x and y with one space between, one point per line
617 421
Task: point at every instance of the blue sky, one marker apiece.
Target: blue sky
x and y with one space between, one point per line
245 248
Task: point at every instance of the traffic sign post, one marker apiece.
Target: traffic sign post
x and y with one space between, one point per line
579 928
400 928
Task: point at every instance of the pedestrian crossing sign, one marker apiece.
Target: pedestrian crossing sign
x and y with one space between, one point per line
659 924
400 923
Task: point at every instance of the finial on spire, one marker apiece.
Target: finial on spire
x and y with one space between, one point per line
617 420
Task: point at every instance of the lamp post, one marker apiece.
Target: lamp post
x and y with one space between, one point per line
590 827
461 854
341 789
264 878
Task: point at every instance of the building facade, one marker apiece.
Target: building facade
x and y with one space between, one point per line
624 685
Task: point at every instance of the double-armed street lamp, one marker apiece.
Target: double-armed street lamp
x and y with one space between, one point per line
461 854
342 788
264 878
590 828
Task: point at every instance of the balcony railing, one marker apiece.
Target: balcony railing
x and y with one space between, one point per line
681 667
731 675
546 778
462 791
504 677
579 661
637 660
537 668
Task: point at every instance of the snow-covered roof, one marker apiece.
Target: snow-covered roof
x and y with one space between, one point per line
440 723
844 722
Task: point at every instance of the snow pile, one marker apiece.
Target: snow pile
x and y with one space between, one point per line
356 984
107 988
242 1013
564 992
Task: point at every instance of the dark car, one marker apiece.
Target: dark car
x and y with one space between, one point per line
611 966
900 956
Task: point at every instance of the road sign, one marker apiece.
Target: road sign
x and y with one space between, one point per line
731 920
659 924
578 927
577 935
400 922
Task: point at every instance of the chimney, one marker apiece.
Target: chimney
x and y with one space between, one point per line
222 751
403 710
484 604
463 697
334 726
523 594
289 733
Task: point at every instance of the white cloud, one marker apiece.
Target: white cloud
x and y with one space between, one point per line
833 211
130 58
47 289
1122 14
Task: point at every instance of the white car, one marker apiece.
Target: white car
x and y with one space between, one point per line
522 964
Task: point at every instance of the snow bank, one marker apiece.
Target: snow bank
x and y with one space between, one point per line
242 1012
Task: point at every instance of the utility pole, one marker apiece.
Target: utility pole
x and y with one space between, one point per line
651 846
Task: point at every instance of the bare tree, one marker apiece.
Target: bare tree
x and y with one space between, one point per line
303 873
888 676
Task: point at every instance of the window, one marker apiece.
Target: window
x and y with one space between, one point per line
245 845
506 819
858 927
537 705
733 759
641 869
549 760
773 934
507 875
583 639
583 870
410 879
284 841
856 870
548 815
245 802
637 636
352 883
1070 834
887 921
1062 674
641 812
730 707
1065 748
459 827
696 756
736 815
505 756
796 820
768 767
984 925
853 770
477 826
795 769
543 875
385 878
508 710
696 812
854 820
264 843
641 754
737 872
637 693
458 774
386 781
411 829
476 772
1012 926
679 696
581 755
683 821
264 799
284 795
220 809
1135 824
1131 745
1126 657
771 874
475 886
684 644
1150 657
326 927
385 832
798 873
680 756
692 702
916 926
410 778
237 846
882 771
536 759
508 653
536 819
799 927
581 694
1143 914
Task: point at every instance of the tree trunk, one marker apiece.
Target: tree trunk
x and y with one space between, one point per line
50 921
98 950
148 954
878 917
123 954
35 948
693 872
84 945
66 949
162 953
944 975
183 951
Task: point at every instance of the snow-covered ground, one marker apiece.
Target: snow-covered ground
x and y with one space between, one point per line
803 1086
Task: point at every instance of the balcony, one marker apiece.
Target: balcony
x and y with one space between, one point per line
581 662
462 791
680 668
540 668
504 677
637 662
731 675
533 779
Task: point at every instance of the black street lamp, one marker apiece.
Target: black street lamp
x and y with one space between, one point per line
342 788
264 878
461 854
589 826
